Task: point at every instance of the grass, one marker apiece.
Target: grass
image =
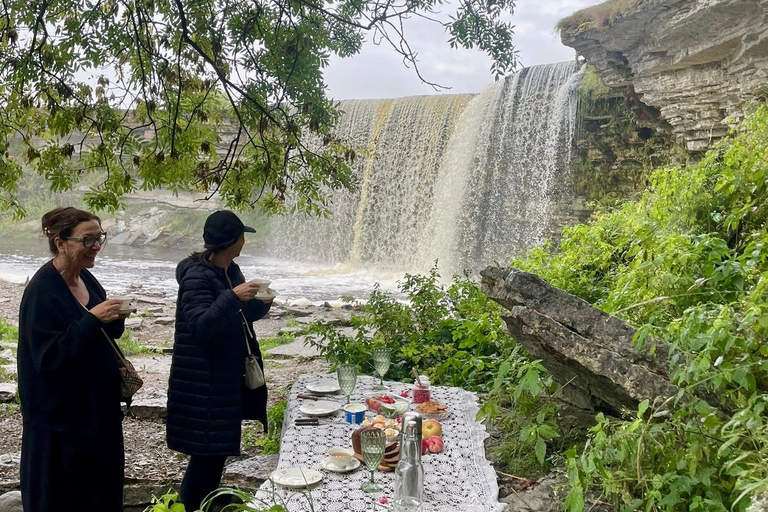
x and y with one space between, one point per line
266 344
597 16
8 332
9 409
131 346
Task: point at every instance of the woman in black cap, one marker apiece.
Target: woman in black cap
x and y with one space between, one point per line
207 397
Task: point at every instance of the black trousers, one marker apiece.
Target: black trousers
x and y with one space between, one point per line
202 477
65 472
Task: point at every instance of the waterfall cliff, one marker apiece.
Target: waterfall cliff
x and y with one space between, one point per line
457 178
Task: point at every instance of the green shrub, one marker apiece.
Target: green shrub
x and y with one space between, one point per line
131 346
688 263
453 334
270 441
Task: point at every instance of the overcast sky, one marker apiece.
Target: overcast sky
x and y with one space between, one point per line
378 72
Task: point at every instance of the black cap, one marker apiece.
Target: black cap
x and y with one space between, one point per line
222 229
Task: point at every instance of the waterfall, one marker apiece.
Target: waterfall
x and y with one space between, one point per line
457 178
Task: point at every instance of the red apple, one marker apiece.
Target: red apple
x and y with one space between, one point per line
431 428
435 444
424 446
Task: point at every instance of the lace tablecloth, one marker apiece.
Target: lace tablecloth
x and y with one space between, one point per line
460 479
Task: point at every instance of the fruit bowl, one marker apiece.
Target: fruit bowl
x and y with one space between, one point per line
386 404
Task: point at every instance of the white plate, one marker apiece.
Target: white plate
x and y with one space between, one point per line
352 465
296 477
323 386
319 408
266 295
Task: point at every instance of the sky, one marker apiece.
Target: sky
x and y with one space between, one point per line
378 72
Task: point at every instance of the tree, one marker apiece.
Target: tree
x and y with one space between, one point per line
135 93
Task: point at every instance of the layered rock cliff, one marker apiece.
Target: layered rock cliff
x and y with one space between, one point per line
697 61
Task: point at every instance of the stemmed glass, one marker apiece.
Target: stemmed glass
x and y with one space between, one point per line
381 361
372 444
347 374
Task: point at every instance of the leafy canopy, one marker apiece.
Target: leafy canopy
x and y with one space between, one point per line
140 93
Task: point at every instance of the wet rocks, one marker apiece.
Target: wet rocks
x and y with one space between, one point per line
697 61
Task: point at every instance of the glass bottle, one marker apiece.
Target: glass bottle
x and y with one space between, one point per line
409 473
421 390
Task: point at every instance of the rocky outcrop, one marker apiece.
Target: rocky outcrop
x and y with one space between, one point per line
697 61
587 351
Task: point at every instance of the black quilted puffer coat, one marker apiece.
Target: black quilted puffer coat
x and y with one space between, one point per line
207 398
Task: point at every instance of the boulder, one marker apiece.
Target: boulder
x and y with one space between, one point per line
149 403
587 351
7 391
134 322
299 311
11 502
253 471
165 320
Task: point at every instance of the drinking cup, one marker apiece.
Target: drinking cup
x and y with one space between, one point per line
128 304
339 457
263 283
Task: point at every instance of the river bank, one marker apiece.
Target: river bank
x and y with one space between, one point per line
150 466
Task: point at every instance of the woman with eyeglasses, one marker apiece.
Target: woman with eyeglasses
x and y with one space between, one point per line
69 384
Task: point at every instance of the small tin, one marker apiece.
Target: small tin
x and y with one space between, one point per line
354 413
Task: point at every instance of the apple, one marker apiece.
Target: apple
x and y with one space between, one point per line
424 446
435 444
431 428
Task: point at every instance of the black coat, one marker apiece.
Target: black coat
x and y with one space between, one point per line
207 398
69 378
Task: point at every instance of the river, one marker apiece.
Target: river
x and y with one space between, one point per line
120 266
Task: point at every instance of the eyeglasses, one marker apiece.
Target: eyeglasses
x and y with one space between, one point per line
88 240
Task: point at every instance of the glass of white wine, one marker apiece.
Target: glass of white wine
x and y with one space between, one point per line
373 444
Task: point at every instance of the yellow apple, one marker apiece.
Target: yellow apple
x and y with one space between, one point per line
431 428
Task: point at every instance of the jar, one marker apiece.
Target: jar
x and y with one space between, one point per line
421 392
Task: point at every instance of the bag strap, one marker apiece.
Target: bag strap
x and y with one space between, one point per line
246 331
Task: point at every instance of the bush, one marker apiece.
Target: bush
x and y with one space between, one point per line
688 263
453 334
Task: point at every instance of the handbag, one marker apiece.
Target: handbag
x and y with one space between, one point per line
130 380
254 375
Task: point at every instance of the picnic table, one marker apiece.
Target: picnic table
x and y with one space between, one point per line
460 479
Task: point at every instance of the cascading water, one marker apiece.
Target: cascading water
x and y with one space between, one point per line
459 179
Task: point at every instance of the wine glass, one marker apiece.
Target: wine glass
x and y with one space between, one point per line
372 443
381 361
347 374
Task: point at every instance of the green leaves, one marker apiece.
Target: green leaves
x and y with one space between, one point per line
688 263
226 98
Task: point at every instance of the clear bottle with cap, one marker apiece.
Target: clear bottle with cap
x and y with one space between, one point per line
421 390
409 473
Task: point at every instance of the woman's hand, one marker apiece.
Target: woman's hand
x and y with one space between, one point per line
246 291
270 299
107 311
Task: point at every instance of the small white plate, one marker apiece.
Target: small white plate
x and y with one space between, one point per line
323 386
319 408
351 465
296 477
266 295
